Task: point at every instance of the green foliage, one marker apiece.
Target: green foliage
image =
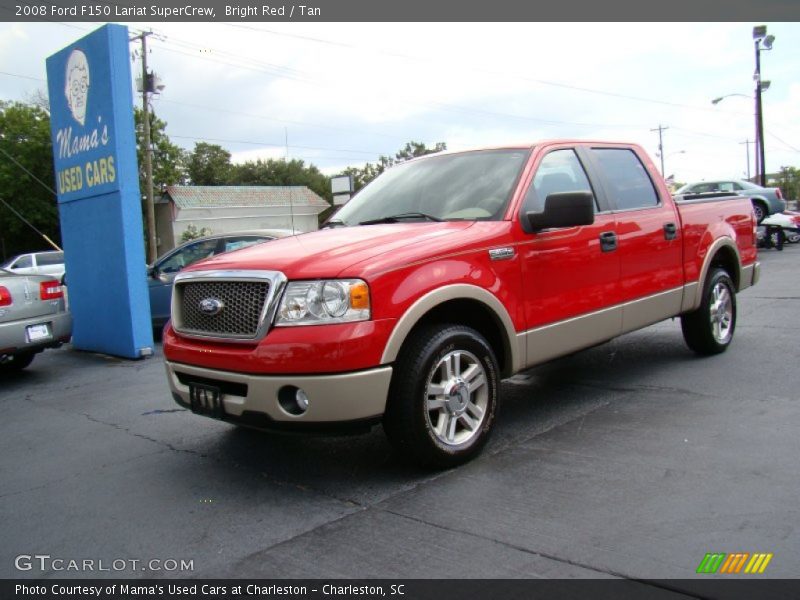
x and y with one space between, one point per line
789 182
209 164
25 135
192 233
281 172
362 176
168 159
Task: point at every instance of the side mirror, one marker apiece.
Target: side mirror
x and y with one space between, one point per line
152 271
564 209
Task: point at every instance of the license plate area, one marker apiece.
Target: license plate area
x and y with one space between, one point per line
38 333
206 400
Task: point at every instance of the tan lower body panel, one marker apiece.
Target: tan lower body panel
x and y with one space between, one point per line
551 341
338 397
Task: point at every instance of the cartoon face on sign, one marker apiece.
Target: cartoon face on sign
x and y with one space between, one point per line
77 86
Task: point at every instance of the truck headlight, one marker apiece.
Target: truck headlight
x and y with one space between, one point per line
321 302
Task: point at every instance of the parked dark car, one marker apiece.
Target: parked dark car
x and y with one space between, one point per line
33 316
161 274
766 201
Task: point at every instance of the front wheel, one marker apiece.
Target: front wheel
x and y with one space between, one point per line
443 396
709 329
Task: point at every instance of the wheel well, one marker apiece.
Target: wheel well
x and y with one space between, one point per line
479 317
761 202
725 258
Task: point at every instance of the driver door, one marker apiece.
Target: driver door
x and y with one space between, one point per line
570 275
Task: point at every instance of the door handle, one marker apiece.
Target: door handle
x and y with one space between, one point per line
670 231
608 241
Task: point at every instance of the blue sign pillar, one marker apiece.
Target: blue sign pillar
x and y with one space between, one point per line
94 150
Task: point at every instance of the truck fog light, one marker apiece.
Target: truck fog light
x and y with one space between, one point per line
293 400
301 399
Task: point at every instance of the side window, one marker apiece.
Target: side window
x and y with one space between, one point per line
738 186
559 171
725 186
242 242
49 258
189 255
23 262
630 185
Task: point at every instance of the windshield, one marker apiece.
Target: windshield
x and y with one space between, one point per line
468 186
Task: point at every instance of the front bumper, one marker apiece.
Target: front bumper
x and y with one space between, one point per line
253 399
13 339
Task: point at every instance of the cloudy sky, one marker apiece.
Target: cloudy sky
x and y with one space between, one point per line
343 94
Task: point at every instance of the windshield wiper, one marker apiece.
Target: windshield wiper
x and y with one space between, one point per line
402 217
334 223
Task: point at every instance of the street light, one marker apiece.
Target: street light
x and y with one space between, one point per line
764 87
761 41
721 98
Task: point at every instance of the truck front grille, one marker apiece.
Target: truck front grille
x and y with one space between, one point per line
241 306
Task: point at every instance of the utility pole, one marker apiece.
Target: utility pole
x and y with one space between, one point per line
762 169
661 129
747 149
152 253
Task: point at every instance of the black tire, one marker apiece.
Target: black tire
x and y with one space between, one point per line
709 329
17 362
760 210
418 421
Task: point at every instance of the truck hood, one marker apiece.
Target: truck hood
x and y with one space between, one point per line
329 252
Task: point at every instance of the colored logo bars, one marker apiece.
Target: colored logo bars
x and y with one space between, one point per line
734 563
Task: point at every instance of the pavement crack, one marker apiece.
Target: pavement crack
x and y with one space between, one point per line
142 436
546 555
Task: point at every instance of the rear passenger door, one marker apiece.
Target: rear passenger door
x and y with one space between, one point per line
648 229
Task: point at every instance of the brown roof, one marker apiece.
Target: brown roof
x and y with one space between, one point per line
218 196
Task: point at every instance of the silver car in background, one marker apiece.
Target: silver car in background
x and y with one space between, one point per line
33 316
37 263
766 201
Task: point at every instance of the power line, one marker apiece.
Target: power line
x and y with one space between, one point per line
477 69
31 225
273 145
24 168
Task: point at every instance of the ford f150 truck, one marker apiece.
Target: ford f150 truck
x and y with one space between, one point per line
445 275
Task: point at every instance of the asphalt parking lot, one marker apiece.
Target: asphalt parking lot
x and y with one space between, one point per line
633 459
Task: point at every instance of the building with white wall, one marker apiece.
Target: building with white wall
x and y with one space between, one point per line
220 209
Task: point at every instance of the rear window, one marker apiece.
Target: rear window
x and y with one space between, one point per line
23 262
50 258
629 182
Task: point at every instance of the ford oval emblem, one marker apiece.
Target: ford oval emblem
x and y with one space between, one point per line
211 306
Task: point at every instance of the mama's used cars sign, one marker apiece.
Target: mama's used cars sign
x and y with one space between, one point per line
94 152
85 143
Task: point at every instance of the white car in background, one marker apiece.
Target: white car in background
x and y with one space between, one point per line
37 263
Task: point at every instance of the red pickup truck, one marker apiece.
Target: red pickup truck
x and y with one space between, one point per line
445 275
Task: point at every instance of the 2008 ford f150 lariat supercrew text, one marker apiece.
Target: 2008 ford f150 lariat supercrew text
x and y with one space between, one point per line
444 275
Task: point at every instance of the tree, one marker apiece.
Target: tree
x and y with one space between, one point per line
209 164
25 139
192 233
168 159
789 182
281 172
362 176
413 149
